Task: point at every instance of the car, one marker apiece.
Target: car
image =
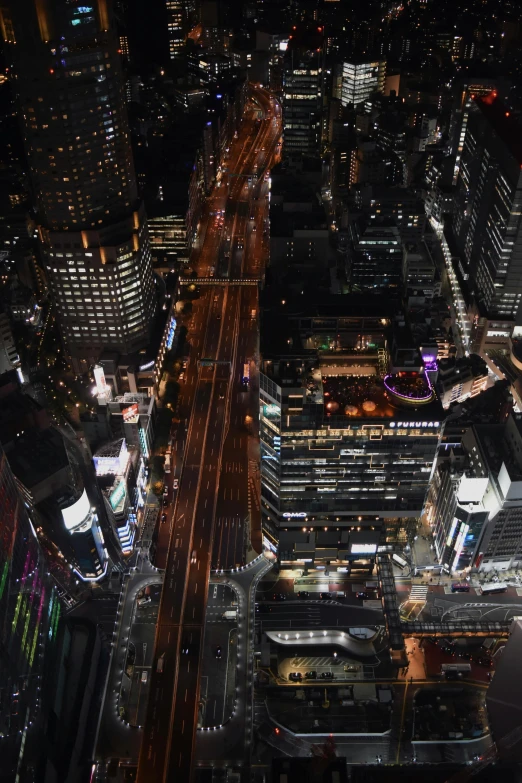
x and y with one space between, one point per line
279 597
175 483
311 675
144 601
217 652
254 228
252 217
296 676
303 594
184 364
453 675
163 517
194 556
325 596
218 317
181 376
362 595
327 675
262 608
144 676
14 707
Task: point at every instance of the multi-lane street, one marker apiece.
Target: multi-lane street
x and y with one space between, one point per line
212 445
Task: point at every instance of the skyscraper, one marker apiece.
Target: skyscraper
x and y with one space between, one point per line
488 217
180 17
29 613
361 78
302 93
92 227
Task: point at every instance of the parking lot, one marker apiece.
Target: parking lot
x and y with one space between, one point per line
325 710
341 667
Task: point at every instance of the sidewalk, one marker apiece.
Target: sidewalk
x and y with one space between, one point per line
416 664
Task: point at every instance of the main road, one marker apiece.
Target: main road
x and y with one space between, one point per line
214 420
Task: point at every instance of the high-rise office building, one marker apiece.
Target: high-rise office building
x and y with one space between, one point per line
175 27
475 500
180 18
29 613
349 424
361 78
377 256
92 228
302 93
488 215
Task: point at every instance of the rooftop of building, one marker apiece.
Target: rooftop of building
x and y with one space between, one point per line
497 450
283 223
112 449
504 123
290 322
351 373
473 365
18 412
37 455
380 396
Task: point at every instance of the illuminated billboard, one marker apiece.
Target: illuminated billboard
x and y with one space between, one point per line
131 413
74 516
99 377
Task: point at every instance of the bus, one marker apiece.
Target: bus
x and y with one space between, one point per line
246 373
460 587
399 561
493 587
454 670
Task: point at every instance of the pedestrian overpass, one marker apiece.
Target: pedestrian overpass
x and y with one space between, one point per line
456 628
398 629
219 281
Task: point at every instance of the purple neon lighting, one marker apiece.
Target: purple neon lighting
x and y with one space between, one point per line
404 396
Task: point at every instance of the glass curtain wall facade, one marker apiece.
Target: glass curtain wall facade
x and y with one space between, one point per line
30 610
360 80
327 469
302 101
488 220
93 232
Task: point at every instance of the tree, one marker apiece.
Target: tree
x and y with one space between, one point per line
157 488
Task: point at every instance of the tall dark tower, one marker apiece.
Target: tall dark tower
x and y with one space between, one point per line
92 227
30 610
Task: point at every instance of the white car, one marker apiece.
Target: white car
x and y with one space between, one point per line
175 483
194 556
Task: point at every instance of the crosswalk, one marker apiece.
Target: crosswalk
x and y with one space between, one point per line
233 467
418 593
